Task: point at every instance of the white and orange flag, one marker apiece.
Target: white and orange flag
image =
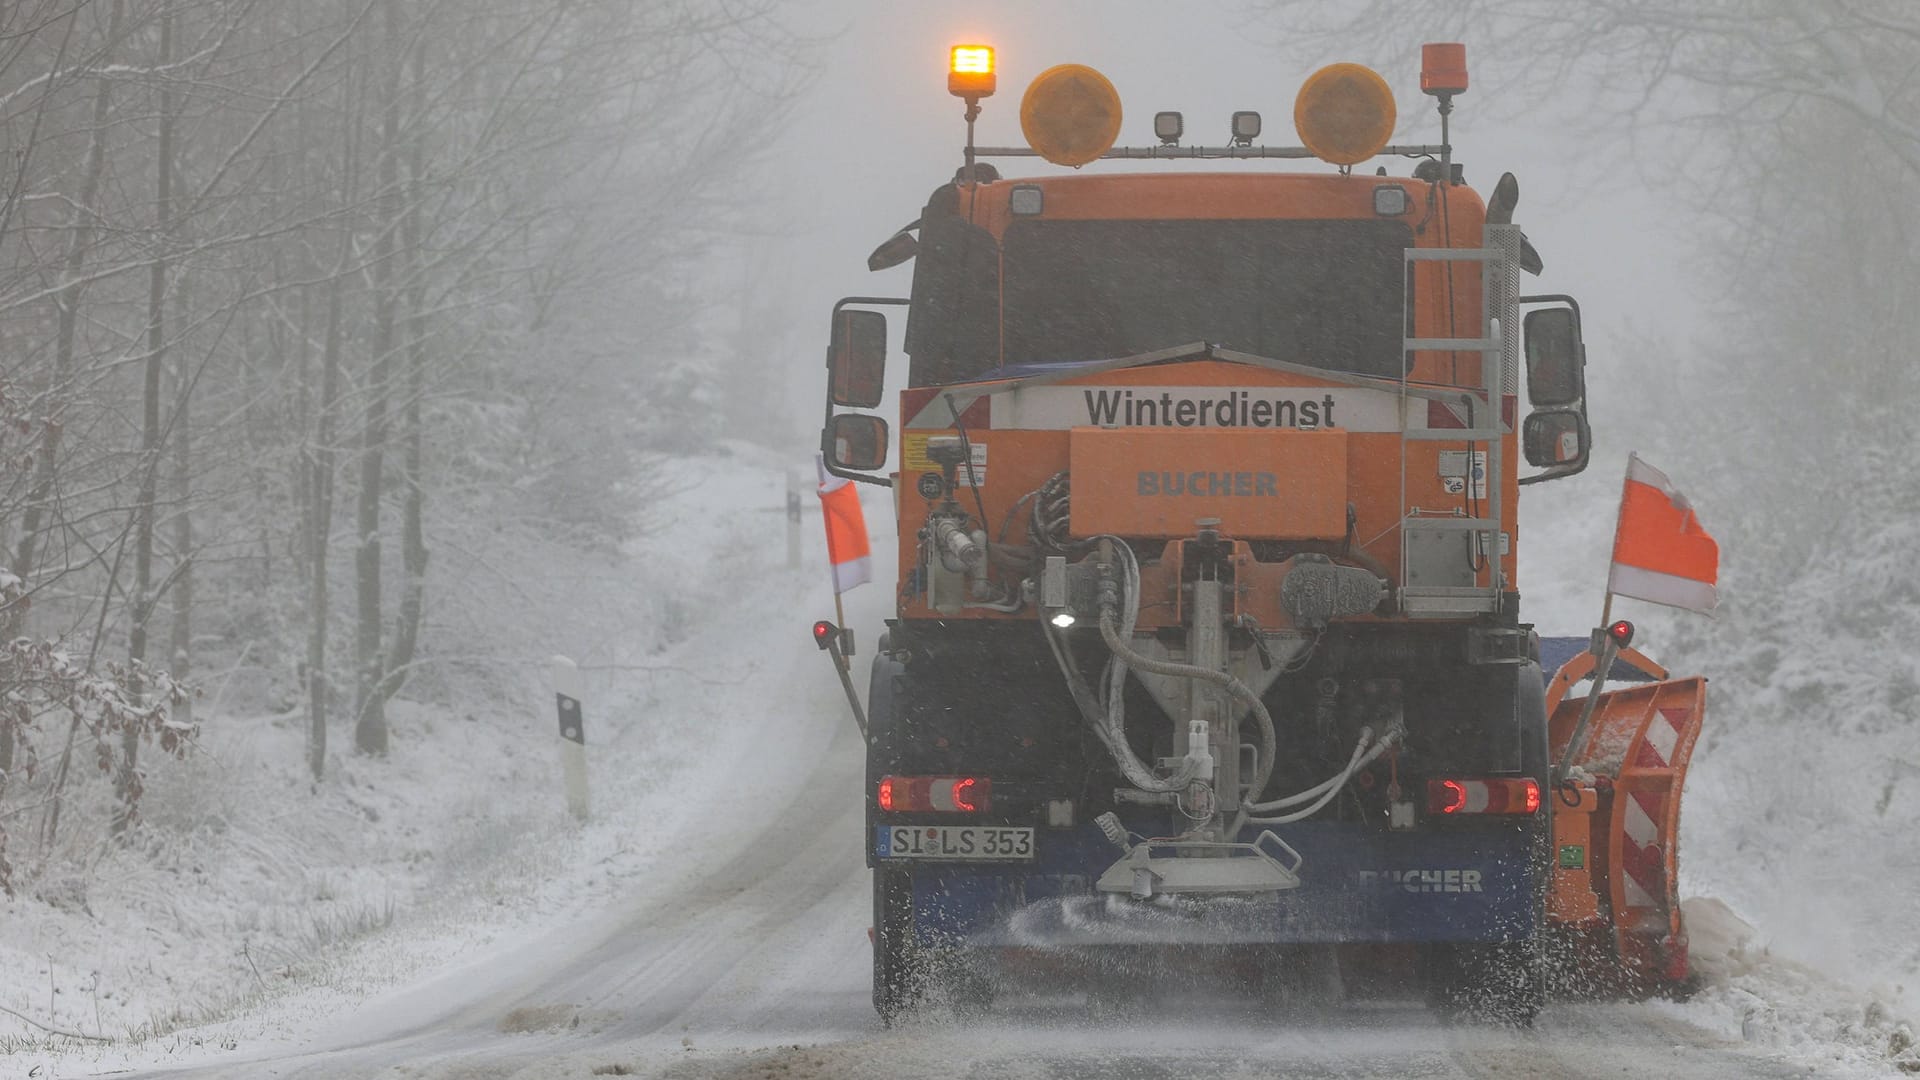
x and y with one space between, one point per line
1660 552
847 546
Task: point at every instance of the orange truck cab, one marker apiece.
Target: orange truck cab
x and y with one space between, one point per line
1209 633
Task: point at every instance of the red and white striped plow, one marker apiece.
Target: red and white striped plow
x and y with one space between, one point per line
1642 741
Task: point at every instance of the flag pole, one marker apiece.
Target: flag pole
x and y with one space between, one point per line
1606 605
839 620
1604 649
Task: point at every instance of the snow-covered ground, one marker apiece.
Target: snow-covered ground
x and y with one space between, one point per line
445 891
255 893
1808 767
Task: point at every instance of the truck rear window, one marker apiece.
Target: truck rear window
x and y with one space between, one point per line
1324 293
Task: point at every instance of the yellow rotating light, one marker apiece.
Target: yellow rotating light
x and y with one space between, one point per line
1070 114
1344 113
970 71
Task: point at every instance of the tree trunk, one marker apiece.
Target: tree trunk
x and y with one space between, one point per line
6 748
406 635
67 301
127 782
320 482
370 725
180 653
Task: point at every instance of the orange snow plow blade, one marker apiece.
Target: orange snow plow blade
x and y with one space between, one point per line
1614 896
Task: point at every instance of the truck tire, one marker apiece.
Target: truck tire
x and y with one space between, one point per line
898 976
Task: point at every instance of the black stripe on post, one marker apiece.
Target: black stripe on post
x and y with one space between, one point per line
572 728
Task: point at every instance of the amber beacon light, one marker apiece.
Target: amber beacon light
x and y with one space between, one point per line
1344 113
970 71
1070 114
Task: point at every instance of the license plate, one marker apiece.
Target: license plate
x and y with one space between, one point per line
977 843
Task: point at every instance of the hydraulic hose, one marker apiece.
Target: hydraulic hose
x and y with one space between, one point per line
1346 771
1135 771
1364 754
1323 792
1128 658
1125 657
1107 717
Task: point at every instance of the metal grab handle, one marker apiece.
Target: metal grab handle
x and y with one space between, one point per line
1266 835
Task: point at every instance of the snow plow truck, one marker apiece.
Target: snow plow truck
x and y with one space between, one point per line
1208 665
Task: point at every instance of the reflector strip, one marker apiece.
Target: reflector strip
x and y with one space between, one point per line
934 794
1663 734
1642 858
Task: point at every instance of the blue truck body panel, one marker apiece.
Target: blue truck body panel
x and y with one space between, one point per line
1358 884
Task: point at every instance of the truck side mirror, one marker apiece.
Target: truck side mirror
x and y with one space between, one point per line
857 359
1555 438
1555 358
855 441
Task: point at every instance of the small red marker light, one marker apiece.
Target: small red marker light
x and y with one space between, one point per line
1451 796
886 793
1530 796
1621 632
823 632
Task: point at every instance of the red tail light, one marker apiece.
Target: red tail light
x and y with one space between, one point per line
965 794
1483 796
935 794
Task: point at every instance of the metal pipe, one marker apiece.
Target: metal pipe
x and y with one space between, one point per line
846 683
1582 731
1177 152
953 539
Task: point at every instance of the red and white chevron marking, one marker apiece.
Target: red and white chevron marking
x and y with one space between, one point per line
1642 858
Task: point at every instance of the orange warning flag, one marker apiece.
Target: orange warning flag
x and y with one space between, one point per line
1660 552
846 531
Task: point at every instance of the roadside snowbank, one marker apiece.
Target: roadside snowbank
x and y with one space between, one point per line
1765 1000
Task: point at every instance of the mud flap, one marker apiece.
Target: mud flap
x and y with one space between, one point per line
1642 740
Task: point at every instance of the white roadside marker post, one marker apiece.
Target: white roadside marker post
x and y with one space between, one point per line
573 735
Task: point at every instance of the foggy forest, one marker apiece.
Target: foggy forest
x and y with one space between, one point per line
358 358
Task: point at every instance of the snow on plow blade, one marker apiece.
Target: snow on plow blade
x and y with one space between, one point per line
1614 903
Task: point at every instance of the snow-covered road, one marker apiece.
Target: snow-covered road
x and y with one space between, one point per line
755 964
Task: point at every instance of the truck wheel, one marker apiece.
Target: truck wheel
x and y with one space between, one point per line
898 977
